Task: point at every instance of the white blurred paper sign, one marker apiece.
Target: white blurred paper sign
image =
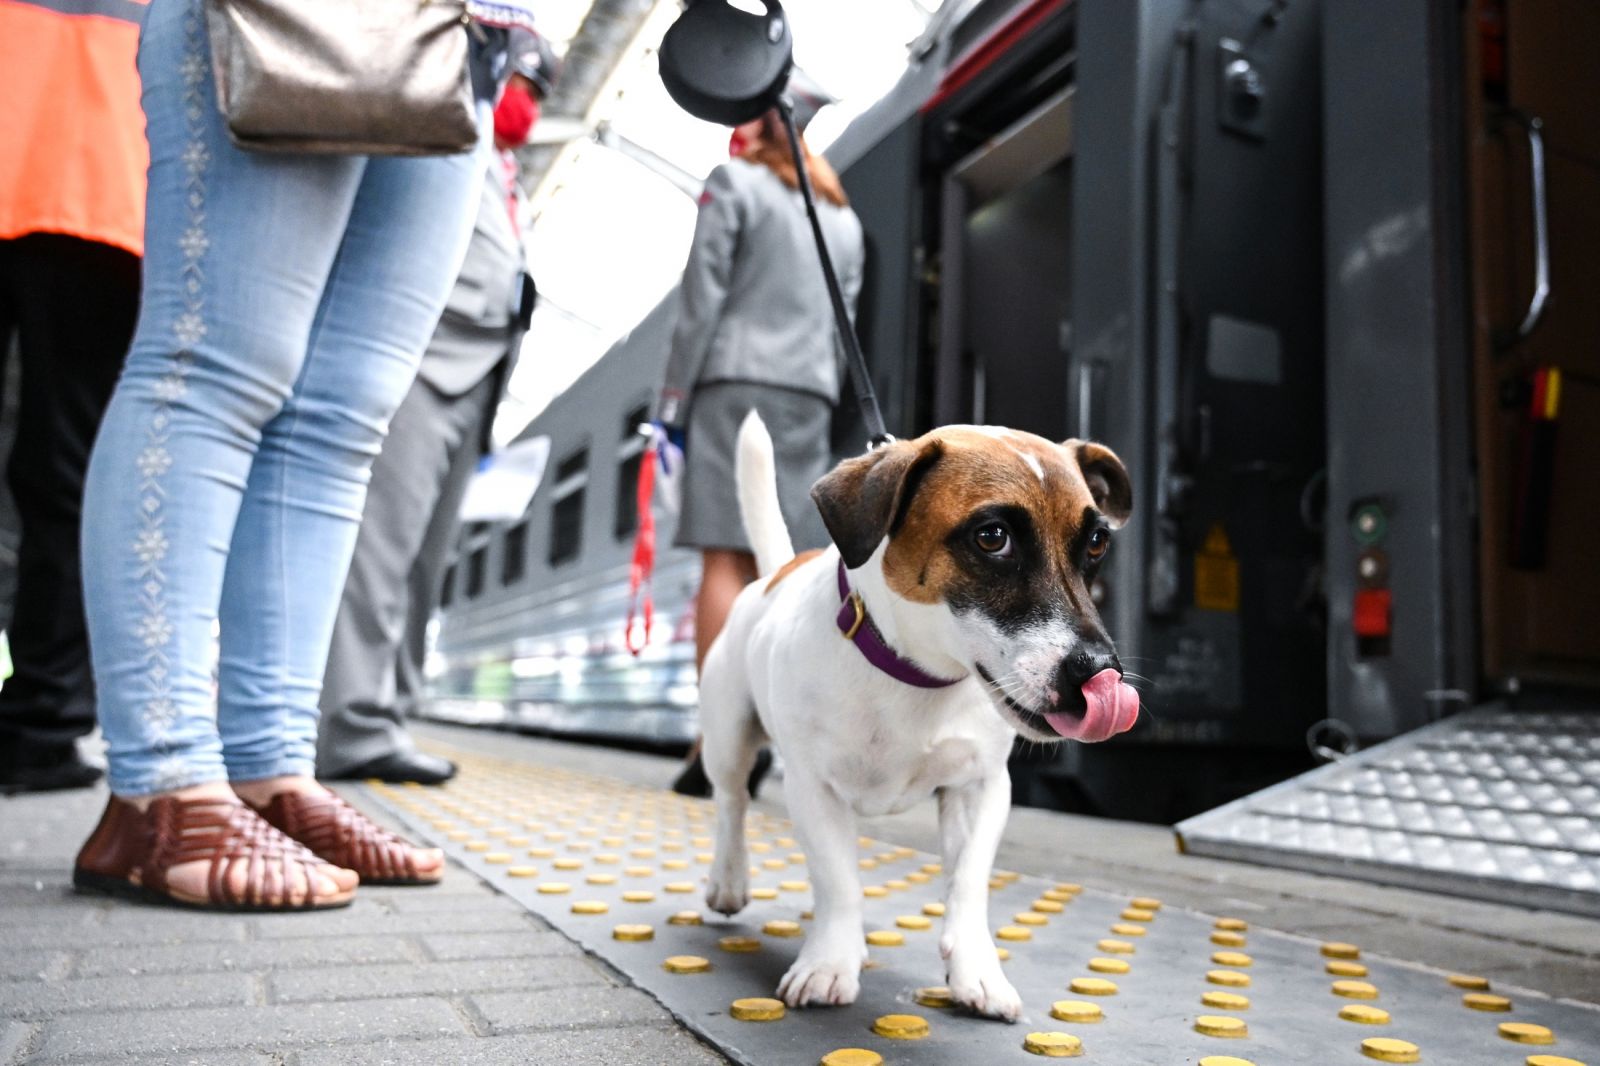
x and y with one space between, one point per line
505 482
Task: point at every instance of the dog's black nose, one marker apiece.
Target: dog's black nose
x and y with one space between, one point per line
1085 661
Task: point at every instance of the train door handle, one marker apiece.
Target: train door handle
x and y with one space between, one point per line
1534 128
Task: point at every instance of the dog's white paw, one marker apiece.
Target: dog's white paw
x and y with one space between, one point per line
816 978
980 986
728 892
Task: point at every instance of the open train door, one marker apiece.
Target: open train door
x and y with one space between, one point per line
1464 352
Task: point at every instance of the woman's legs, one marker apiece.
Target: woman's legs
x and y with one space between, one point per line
723 574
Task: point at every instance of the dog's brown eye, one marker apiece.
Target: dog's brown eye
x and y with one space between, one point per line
1099 543
994 539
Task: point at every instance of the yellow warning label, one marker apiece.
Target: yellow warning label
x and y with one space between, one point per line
1216 573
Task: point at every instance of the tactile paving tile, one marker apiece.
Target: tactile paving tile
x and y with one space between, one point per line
1484 804
611 864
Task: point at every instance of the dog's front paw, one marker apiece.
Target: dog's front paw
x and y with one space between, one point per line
728 891
817 978
979 985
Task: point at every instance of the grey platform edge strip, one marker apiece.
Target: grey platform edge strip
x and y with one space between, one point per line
1236 830
1293 1018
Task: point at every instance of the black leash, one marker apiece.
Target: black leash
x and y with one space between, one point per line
860 378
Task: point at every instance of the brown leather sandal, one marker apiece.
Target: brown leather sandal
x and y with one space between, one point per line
342 835
130 852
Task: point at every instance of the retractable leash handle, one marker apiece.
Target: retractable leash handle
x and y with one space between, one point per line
860 378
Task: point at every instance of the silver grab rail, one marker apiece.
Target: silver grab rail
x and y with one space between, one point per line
1534 128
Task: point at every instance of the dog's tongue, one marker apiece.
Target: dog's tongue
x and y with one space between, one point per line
1112 708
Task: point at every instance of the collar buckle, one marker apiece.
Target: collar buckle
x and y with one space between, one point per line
861 616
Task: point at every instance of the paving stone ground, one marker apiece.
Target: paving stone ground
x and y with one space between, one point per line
459 974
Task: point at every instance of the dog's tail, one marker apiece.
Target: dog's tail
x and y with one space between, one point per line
756 472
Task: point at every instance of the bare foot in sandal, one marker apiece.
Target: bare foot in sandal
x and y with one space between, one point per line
202 847
339 833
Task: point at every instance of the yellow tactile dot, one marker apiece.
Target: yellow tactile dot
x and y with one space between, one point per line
1224 1060
852 1056
806 916
739 944
568 864
1126 929
1030 918
782 927
554 888
522 871
643 853
760 847
638 871
1527 1033
1053 1045
478 845
1225 1000
1485 1001
1221 1025
932 868
773 864
1470 982
638 895
1070 887
590 906
703 857
1100 965
1138 914
1231 958
867 864
1226 938
1551 1060
1355 989
1047 906
874 891
613 842
1335 949
886 938
607 858
897 885
541 853
686 964
1057 895
679 887
1076 1010
675 864
601 879
498 857
1093 986
458 835
794 886
914 921
935 996
934 910
1228 978
1233 925
756 1010
901 1026
633 932
1014 932
516 842
1386 1049
917 877
1148 903
763 893
1345 968
1002 953
1366 1015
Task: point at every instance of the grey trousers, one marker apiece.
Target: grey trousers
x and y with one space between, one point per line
374 676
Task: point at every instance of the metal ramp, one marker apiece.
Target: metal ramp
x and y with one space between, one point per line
1493 804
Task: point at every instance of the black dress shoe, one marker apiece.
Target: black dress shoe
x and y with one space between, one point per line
47 774
402 767
692 780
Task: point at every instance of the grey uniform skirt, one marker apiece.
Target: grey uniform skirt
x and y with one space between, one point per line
799 423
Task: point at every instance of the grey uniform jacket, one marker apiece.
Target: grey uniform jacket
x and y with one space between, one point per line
481 326
753 305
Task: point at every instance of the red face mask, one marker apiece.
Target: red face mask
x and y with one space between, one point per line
515 115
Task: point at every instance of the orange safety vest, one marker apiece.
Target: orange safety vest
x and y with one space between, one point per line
73 154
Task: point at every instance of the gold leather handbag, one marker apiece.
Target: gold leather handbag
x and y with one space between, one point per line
355 77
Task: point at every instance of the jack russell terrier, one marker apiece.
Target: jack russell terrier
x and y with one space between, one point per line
959 580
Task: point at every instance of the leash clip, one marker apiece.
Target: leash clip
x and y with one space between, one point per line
861 615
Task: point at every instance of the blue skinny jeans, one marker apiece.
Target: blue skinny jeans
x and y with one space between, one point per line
287 301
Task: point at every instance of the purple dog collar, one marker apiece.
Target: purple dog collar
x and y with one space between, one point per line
858 629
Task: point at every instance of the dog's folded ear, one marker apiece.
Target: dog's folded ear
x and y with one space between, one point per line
865 499
1107 479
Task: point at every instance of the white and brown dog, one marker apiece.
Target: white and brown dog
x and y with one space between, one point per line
960 579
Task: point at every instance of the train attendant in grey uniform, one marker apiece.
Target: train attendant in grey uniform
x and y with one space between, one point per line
755 330
374 675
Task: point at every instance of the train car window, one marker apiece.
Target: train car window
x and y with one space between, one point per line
566 509
630 455
514 556
477 562
447 589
